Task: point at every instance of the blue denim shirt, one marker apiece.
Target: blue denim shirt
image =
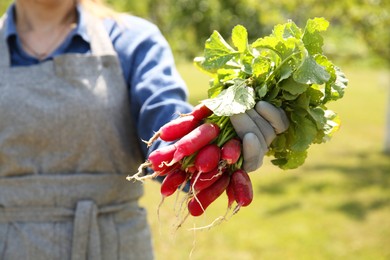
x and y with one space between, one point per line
156 90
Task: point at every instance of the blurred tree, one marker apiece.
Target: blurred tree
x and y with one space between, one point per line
371 19
3 5
187 23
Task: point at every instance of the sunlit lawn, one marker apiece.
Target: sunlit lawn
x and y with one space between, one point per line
336 206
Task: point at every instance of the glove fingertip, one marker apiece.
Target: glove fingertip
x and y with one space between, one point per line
239 122
266 129
274 115
253 152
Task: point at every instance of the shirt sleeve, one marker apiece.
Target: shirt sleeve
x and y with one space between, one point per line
157 92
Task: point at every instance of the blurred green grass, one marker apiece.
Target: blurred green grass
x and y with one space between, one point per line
336 206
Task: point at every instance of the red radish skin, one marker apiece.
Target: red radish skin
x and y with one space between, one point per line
201 112
242 187
194 141
161 156
157 161
207 158
169 169
230 194
172 182
198 204
175 129
202 180
191 169
231 151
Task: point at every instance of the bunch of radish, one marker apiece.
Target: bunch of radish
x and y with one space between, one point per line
204 154
287 69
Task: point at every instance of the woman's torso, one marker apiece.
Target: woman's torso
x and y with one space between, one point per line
67 142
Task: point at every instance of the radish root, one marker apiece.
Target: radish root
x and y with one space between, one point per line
140 175
152 139
216 222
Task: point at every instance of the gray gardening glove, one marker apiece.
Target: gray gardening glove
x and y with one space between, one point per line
257 128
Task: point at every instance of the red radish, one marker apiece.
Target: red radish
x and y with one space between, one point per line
161 156
157 161
199 203
230 194
242 187
172 182
207 158
191 169
231 151
194 141
175 129
200 112
202 180
167 170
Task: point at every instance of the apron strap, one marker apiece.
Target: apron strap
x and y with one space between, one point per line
86 238
4 50
100 41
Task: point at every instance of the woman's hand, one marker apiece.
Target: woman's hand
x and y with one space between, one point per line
257 128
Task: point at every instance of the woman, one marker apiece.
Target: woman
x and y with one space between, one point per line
80 86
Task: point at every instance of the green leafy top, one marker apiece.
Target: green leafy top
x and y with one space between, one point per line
286 68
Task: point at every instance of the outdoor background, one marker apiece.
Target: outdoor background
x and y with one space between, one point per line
337 205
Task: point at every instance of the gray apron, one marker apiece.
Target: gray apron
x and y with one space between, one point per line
67 143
